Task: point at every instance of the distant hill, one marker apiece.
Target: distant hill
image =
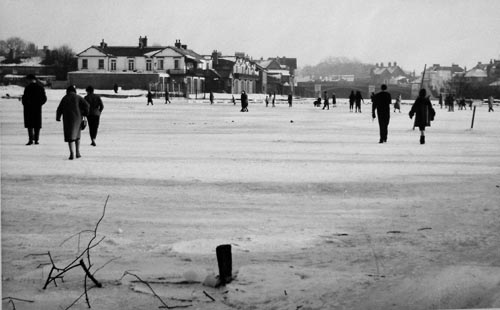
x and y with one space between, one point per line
337 66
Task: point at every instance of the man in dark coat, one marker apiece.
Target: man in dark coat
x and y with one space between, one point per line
290 98
167 97
382 103
334 100
33 99
244 102
358 99
352 98
211 97
326 103
94 115
424 113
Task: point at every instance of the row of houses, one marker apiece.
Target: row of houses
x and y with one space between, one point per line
180 70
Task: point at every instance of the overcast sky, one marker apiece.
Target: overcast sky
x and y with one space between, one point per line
411 32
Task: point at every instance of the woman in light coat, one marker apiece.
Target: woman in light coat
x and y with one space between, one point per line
72 108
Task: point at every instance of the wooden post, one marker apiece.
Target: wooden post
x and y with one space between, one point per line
473 115
225 263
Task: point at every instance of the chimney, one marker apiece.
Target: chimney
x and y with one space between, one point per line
140 42
376 65
390 64
215 57
102 44
382 64
184 46
145 41
395 64
178 43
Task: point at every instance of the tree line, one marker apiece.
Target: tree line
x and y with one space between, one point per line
61 58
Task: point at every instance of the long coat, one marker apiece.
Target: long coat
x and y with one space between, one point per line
72 108
423 111
33 99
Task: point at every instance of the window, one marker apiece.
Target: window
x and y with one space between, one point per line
160 64
85 64
101 64
113 64
176 64
149 65
131 65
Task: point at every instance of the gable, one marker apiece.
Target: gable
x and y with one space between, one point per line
91 52
168 52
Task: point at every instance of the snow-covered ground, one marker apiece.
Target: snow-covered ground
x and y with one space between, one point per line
319 215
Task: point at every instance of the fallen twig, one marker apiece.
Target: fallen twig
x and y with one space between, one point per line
11 301
206 294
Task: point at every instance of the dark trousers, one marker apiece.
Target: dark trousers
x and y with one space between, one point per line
33 134
383 124
93 125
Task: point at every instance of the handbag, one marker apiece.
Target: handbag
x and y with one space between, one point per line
83 125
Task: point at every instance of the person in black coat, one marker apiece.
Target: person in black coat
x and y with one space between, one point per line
167 96
211 97
424 113
150 98
290 98
33 99
352 98
326 103
244 102
94 114
382 104
358 99
334 100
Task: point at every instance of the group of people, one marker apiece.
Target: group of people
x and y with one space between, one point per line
422 110
355 98
326 101
73 109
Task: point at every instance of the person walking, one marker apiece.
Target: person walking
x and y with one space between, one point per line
290 98
358 100
234 100
397 104
334 100
382 104
490 104
267 101
167 96
352 98
150 97
244 102
72 108
274 99
33 99
211 98
441 100
94 114
424 113
326 104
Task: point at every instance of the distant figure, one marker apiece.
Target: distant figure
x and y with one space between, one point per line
167 96
334 100
274 99
234 100
352 98
72 108
490 104
358 100
449 101
150 98
33 99
397 104
290 98
115 88
94 115
326 104
244 102
424 113
267 101
441 100
211 98
382 103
